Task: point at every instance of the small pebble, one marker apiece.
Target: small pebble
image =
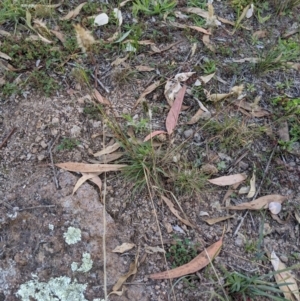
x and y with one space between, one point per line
188 133
284 258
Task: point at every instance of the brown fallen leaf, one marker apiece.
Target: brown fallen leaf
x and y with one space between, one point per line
175 212
107 158
173 114
255 110
107 150
196 117
84 167
74 13
132 271
290 290
59 35
198 263
126 246
260 34
141 68
153 134
212 221
228 180
151 250
97 181
260 203
5 56
118 61
200 29
206 41
100 98
197 11
84 178
147 91
205 79
252 185
4 33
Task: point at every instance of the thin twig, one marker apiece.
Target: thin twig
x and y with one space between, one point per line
257 191
36 207
100 83
7 137
52 164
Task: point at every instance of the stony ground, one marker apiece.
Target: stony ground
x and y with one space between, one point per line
59 120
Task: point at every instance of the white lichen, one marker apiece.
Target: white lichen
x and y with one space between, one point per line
51 227
57 289
74 266
72 236
87 263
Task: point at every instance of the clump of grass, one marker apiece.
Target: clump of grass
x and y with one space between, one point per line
149 7
244 287
230 133
284 5
182 252
67 144
277 56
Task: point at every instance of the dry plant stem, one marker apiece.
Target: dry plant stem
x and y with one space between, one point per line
257 191
104 231
219 280
101 84
52 164
159 230
37 207
7 137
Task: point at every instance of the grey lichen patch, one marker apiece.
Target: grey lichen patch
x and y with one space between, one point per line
72 236
60 288
87 264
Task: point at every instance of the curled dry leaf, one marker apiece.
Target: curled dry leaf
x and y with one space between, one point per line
124 3
255 110
206 41
107 158
132 271
153 134
74 13
84 167
205 79
290 290
297 217
107 150
59 35
5 56
252 186
228 180
100 98
212 221
126 246
147 91
260 34
173 114
118 61
141 68
84 178
97 181
175 212
198 263
151 250
200 114
260 203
